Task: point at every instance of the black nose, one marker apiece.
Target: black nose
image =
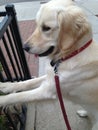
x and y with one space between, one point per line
26 47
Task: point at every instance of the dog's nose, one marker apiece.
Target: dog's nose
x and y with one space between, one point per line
26 47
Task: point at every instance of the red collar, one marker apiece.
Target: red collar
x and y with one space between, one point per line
72 54
77 51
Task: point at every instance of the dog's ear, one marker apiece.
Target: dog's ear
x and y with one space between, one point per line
65 39
73 26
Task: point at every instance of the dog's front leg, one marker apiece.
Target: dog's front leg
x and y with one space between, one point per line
41 93
9 87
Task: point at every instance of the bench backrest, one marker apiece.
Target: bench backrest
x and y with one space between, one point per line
12 57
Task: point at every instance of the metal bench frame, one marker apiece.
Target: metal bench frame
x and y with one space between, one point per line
11 41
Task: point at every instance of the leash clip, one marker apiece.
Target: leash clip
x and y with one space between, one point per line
56 66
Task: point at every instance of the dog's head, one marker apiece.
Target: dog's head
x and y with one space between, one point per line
58 31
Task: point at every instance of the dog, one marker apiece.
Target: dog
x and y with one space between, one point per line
62 32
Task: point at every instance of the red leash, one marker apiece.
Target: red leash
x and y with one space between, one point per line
61 101
57 82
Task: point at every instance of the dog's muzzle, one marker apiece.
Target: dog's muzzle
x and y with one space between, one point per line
27 48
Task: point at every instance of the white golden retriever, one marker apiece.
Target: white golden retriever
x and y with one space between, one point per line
62 32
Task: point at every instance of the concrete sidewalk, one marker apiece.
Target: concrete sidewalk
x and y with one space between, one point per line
47 115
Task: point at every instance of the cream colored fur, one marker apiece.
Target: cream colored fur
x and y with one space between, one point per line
69 30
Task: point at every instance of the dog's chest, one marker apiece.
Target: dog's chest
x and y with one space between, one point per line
69 79
76 82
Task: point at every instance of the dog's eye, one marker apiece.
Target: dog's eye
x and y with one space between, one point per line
45 28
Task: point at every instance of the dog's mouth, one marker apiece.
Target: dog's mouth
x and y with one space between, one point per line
26 47
46 53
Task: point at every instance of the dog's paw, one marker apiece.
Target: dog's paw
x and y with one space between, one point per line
82 113
6 88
